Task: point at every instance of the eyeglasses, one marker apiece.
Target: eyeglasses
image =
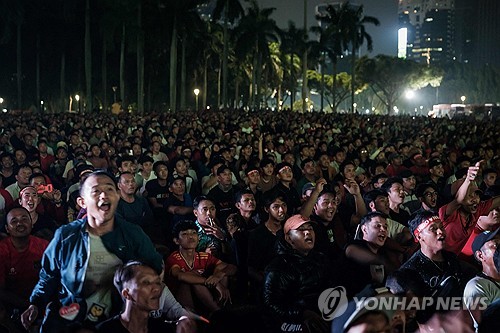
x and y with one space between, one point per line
431 194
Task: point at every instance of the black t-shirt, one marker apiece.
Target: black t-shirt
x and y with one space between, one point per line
155 190
224 202
358 275
261 251
402 217
114 325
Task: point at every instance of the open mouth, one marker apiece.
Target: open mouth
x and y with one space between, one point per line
105 206
21 229
441 239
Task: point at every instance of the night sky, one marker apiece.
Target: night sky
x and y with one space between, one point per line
384 36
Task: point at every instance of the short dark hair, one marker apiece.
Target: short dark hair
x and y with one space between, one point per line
420 190
96 173
125 273
368 217
197 201
158 163
404 280
271 196
183 226
391 181
125 158
240 194
372 195
417 219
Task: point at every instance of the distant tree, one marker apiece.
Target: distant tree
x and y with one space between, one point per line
389 77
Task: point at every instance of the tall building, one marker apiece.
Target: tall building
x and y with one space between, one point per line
427 30
441 31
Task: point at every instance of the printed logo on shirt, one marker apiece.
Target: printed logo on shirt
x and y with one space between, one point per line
96 312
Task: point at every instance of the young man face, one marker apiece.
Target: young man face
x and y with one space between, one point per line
23 176
253 177
437 171
285 174
409 184
309 169
430 197
490 179
375 231
127 184
29 199
396 194
277 210
326 206
246 203
302 239
161 172
381 204
100 198
178 187
187 239
224 178
433 236
19 223
181 168
206 211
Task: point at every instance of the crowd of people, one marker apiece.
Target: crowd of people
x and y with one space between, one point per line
241 221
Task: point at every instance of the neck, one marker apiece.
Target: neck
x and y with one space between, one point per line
187 253
134 320
285 183
434 178
34 216
101 229
162 182
434 255
20 243
127 197
373 247
394 206
225 188
273 225
246 214
310 178
252 187
492 272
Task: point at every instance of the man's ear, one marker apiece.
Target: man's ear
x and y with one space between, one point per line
372 205
125 294
238 205
195 212
81 202
479 255
176 241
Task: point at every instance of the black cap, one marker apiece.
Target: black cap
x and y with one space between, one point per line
407 173
482 239
435 162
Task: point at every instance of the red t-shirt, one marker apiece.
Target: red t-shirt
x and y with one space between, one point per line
19 270
454 224
203 263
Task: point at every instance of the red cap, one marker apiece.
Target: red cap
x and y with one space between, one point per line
294 223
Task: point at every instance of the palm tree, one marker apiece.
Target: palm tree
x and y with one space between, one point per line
357 33
291 44
255 31
230 10
184 17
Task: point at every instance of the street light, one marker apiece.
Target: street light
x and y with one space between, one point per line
196 93
463 98
77 98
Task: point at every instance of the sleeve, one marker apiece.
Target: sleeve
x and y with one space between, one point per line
49 278
3 264
475 290
171 262
172 309
279 287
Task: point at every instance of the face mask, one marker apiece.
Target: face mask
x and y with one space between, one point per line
496 259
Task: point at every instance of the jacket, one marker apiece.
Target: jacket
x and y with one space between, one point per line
293 282
66 258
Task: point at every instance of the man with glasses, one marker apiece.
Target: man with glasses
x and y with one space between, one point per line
427 195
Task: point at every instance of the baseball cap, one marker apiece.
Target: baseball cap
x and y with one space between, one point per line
405 173
435 162
62 144
82 169
294 222
175 177
307 187
482 239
